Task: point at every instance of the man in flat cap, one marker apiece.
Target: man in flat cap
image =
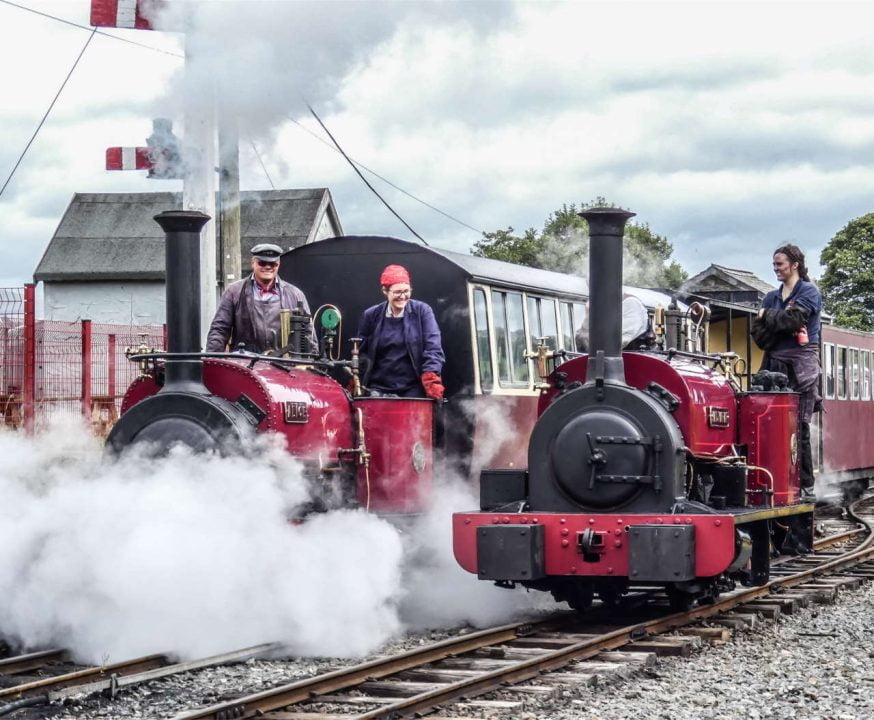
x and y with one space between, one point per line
248 311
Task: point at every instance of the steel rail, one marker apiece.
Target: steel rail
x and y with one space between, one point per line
31 661
831 540
345 678
147 662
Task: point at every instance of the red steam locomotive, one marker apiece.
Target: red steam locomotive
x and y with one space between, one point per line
644 470
375 453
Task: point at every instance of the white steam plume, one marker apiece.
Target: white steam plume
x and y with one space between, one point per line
195 555
192 555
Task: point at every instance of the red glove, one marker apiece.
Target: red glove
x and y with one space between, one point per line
433 385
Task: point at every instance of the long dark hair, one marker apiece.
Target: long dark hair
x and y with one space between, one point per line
794 255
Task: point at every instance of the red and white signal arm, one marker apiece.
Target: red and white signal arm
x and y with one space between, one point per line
128 158
133 14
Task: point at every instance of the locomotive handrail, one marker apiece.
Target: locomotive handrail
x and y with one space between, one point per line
241 355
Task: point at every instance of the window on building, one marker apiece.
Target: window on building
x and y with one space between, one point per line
483 346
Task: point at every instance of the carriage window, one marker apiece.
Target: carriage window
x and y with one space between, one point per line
841 373
541 321
483 348
566 311
580 339
855 375
510 338
866 375
828 365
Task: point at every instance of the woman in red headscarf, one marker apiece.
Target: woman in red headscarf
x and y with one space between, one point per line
401 342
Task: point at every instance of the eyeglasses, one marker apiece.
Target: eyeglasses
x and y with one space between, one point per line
267 263
401 293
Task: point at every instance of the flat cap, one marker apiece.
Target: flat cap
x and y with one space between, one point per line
266 251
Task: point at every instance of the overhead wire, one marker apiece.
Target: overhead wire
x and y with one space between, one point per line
386 180
353 163
41 122
364 179
261 162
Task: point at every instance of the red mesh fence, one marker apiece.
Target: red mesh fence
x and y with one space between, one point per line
51 368
11 354
82 368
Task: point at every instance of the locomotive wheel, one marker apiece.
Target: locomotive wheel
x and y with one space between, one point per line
576 593
680 601
610 596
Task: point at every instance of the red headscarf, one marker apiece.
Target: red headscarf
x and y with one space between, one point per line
394 274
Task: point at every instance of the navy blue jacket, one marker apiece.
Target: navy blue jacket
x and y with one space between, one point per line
421 334
806 297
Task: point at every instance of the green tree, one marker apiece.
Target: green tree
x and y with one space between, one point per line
847 284
563 246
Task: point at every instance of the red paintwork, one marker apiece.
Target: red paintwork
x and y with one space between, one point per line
115 159
697 387
768 427
398 434
328 427
104 13
141 388
843 420
714 540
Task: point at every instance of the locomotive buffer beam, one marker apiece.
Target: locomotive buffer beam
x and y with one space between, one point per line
599 458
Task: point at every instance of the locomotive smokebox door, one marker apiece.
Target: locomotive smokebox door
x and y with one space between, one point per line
661 553
510 552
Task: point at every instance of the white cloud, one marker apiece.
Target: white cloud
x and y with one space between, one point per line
688 113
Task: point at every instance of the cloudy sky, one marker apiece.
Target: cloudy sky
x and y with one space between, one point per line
728 127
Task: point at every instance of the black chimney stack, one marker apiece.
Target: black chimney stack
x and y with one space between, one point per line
182 228
606 229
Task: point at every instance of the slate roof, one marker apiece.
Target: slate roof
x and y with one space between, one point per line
719 277
112 236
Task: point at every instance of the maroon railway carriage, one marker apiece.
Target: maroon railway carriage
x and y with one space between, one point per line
845 457
643 470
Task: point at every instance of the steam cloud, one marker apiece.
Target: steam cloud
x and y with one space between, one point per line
193 556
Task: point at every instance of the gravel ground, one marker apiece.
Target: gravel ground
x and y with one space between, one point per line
776 671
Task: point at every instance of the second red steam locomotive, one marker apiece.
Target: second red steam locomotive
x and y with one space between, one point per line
644 470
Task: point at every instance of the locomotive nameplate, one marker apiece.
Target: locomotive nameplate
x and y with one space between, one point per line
717 417
296 412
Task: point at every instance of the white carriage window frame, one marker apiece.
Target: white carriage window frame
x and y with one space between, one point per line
544 309
865 365
854 374
828 363
841 373
510 310
484 364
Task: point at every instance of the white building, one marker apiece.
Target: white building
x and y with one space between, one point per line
105 262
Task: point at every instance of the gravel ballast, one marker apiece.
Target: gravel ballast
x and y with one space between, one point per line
817 664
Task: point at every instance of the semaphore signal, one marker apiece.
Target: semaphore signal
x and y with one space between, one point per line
130 14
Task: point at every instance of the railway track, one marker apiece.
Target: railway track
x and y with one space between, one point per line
563 648
421 681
